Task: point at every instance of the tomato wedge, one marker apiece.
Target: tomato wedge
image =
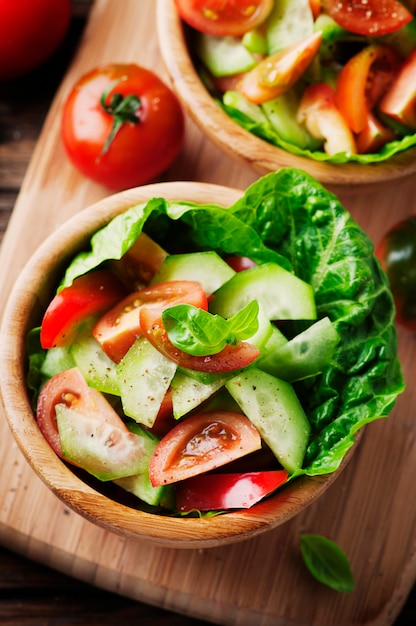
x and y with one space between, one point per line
210 492
224 17
362 82
400 100
118 328
278 72
90 294
232 357
317 110
70 388
200 443
368 17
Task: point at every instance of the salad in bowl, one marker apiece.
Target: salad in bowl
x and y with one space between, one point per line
201 362
322 84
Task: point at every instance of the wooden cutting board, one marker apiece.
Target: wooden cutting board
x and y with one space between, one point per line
370 511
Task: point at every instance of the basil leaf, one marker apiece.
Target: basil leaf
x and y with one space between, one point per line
194 330
200 333
245 323
327 562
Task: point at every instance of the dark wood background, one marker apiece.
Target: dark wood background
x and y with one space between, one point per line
31 594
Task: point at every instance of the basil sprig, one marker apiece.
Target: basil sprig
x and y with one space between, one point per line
327 562
200 333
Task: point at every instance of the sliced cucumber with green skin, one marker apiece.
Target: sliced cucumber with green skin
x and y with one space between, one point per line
274 408
96 367
57 360
188 393
288 22
255 41
303 356
280 294
139 484
206 268
236 100
101 448
144 376
281 113
223 56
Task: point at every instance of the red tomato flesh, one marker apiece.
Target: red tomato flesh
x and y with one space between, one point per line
211 492
224 17
362 81
400 100
90 294
278 72
200 443
70 388
368 17
118 328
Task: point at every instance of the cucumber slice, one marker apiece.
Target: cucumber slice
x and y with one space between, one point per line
101 448
280 294
223 56
255 41
274 408
303 356
139 484
236 100
57 360
281 113
188 393
206 268
289 21
97 368
144 376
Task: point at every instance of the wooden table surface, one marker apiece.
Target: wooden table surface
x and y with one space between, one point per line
31 593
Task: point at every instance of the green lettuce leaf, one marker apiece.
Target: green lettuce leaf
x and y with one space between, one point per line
266 131
289 218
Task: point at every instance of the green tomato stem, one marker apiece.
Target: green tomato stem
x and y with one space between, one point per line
123 109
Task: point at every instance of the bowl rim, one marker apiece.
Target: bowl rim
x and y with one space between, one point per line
72 490
239 143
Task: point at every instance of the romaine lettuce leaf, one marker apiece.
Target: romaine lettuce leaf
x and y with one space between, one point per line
289 218
266 131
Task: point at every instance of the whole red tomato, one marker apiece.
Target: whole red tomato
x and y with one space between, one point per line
30 31
122 126
397 254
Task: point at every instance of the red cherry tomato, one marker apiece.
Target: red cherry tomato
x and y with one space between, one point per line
232 357
30 32
224 17
201 443
210 492
118 328
122 126
90 294
362 82
397 254
240 263
368 17
70 388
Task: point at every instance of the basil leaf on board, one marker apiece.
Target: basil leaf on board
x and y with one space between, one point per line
289 218
327 562
200 333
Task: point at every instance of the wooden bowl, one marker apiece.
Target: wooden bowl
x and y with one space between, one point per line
87 496
241 144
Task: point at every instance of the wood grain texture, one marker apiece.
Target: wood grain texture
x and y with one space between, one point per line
369 511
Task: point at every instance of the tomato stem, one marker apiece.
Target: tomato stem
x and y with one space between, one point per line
123 109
